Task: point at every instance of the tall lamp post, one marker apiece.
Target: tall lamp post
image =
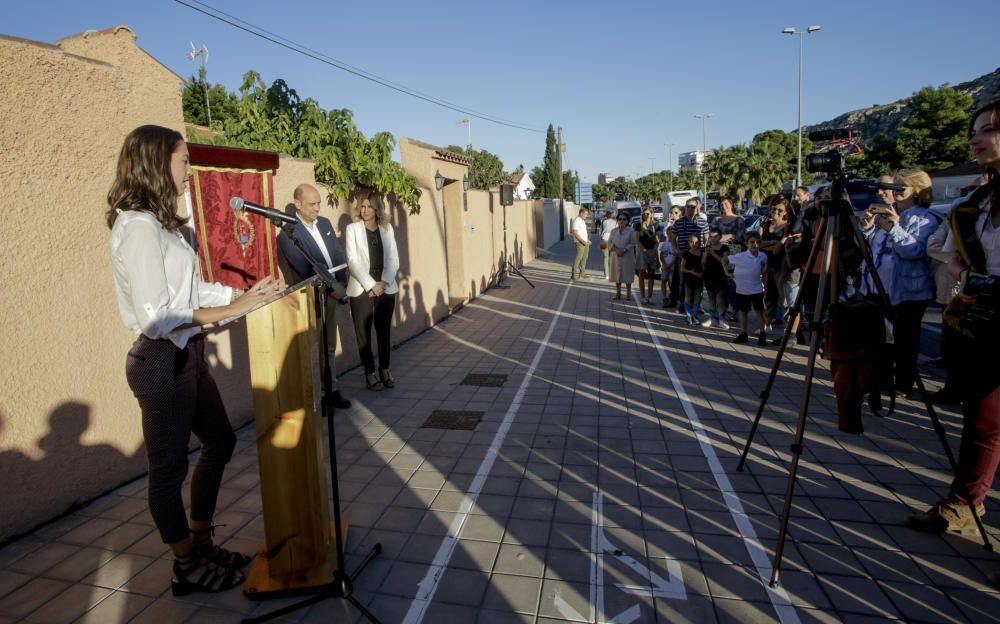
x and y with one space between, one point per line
801 34
704 155
670 163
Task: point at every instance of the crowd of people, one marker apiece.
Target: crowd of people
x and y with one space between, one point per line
918 256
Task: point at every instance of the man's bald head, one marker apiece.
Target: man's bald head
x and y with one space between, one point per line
307 203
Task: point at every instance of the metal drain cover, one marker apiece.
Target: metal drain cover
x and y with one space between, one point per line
484 381
453 419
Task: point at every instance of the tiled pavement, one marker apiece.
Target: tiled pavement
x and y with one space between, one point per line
604 500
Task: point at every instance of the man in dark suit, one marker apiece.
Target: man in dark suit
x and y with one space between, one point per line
315 233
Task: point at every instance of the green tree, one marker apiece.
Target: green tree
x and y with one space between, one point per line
602 193
687 179
222 102
570 180
548 185
275 118
784 149
933 136
880 157
486 170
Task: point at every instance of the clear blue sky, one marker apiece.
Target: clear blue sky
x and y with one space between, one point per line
621 78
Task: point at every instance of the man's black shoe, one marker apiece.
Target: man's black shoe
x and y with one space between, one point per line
741 338
338 401
762 339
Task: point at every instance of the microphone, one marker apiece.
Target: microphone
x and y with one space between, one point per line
238 203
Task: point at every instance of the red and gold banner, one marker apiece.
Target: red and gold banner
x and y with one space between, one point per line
235 248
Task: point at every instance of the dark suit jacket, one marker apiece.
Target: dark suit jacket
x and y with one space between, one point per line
301 269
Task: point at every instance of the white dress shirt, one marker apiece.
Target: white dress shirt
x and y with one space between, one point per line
156 282
318 237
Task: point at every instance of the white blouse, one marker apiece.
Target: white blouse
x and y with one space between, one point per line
156 282
989 236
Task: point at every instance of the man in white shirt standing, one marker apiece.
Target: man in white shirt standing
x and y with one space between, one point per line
748 274
316 235
582 239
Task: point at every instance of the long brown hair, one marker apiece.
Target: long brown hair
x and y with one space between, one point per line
360 195
992 175
143 179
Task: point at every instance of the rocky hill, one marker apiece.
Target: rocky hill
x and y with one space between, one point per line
885 119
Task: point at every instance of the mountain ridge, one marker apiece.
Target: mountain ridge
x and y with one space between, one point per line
884 119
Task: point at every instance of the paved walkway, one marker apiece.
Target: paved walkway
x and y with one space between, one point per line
599 486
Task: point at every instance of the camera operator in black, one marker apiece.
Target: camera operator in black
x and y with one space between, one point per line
975 239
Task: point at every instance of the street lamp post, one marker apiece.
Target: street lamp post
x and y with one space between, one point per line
704 155
670 163
801 34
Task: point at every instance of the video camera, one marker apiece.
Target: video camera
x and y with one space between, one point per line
832 162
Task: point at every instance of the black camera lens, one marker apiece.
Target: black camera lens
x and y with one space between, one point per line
825 162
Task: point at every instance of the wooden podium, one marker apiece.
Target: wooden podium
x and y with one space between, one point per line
298 553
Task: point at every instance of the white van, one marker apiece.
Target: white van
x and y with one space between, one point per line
678 198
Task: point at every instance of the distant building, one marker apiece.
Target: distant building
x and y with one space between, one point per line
949 183
605 178
524 188
623 179
693 161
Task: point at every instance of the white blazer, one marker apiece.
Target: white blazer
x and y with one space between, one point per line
356 246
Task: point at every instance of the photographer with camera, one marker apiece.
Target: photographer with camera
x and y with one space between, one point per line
975 314
908 224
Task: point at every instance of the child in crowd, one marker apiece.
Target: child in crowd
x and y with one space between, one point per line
749 269
692 276
716 278
667 252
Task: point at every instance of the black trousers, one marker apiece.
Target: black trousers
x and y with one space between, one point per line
367 311
906 338
178 397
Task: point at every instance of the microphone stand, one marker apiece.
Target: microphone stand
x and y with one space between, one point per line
341 586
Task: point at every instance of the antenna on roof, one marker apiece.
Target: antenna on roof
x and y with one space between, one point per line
468 131
202 53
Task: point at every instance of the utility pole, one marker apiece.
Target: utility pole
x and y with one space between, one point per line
468 132
560 147
670 163
202 52
801 34
704 155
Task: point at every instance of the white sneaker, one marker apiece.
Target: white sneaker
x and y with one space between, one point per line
706 323
722 324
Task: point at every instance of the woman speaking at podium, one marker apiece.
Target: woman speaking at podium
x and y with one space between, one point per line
161 299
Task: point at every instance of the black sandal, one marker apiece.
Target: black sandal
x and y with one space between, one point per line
213 577
217 554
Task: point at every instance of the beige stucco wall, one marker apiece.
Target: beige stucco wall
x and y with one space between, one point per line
69 426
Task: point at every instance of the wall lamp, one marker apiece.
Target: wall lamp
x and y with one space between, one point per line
438 181
465 182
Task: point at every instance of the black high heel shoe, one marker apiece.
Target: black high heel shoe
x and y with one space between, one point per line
386 378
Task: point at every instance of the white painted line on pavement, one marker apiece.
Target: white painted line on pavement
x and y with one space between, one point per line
779 598
427 587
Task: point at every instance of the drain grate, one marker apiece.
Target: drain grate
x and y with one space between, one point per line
484 381
453 419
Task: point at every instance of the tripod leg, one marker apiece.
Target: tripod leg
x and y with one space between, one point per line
515 271
940 431
829 266
789 324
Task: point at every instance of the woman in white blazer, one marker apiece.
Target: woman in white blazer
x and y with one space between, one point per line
373 260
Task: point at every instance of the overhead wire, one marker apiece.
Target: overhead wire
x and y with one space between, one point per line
288 44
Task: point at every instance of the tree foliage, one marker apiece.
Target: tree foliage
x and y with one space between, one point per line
602 193
784 148
222 102
548 184
933 136
747 171
570 180
486 170
276 119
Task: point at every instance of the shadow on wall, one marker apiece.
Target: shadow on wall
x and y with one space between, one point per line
68 423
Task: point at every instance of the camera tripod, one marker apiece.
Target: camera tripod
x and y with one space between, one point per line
835 213
507 265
